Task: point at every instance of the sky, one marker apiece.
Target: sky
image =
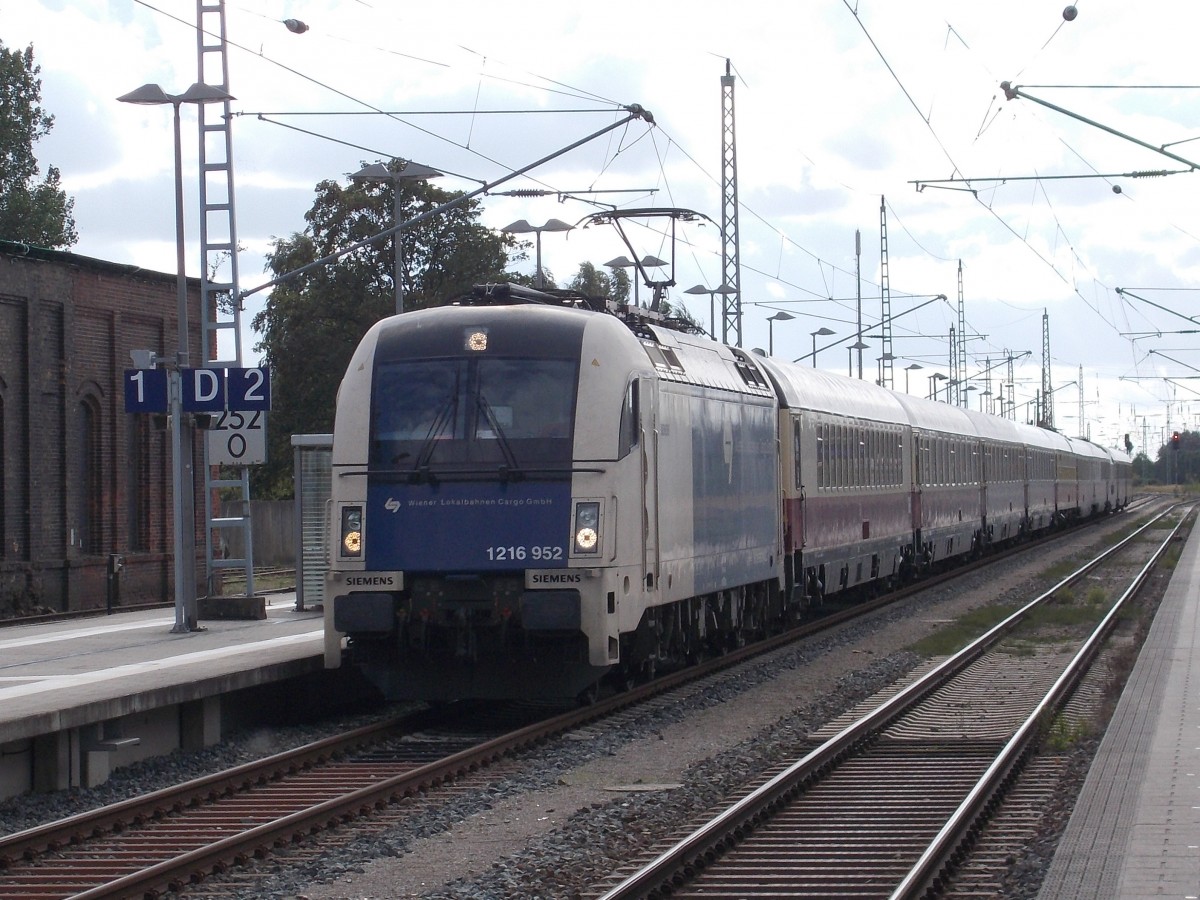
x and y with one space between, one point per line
849 117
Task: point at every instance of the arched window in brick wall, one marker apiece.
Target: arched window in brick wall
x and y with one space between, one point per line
91 478
137 481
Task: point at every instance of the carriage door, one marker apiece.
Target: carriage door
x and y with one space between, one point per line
918 478
793 515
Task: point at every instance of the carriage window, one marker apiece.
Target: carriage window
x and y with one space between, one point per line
822 456
796 450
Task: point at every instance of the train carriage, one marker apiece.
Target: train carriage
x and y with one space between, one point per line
846 480
1092 465
1002 455
1119 480
946 479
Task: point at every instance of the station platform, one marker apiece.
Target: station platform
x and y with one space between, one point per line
80 697
1135 830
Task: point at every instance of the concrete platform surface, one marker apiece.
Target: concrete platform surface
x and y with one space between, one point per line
63 675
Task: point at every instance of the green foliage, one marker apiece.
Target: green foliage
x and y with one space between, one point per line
313 321
1064 734
593 282
953 637
31 212
1178 464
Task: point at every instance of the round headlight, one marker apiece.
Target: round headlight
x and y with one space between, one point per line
352 542
585 538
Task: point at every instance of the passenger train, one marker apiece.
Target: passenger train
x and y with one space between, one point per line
533 491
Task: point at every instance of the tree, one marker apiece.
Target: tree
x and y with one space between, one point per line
592 282
30 212
313 321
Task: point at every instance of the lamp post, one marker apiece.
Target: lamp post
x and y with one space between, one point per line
183 503
933 384
820 332
624 262
522 226
859 346
410 171
771 320
910 368
724 290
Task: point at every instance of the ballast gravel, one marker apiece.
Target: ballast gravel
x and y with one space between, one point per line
581 806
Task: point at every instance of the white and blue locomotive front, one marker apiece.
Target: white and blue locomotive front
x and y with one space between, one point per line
462 548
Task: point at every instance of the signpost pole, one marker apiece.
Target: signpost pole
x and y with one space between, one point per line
185 614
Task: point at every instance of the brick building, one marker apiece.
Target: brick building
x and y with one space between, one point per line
79 477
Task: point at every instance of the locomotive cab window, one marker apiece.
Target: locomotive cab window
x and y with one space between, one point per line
469 411
631 422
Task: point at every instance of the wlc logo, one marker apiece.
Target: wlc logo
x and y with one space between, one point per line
392 504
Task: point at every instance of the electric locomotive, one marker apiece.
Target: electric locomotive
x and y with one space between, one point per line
530 494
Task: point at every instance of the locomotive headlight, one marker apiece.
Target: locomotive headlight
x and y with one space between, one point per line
587 527
351 531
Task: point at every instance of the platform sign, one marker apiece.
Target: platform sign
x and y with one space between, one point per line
249 390
203 390
237 438
236 390
145 390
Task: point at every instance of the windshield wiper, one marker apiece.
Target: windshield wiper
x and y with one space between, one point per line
510 469
444 416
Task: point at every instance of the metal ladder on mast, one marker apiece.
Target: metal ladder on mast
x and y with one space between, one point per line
220 301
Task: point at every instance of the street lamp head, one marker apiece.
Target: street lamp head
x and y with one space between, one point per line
414 170
653 262
724 290
409 170
621 262
780 316
823 332
522 226
147 95
858 345
373 172
154 95
204 93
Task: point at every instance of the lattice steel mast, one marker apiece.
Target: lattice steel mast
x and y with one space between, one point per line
1047 391
731 268
220 304
885 293
960 384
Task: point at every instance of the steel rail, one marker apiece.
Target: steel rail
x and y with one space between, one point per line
931 869
725 830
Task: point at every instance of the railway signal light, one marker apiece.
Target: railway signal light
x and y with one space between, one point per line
1175 440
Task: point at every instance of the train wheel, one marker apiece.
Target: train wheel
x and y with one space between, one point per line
589 694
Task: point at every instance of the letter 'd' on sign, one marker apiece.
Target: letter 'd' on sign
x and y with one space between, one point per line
203 390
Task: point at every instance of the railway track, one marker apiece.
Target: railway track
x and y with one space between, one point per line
891 799
172 839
